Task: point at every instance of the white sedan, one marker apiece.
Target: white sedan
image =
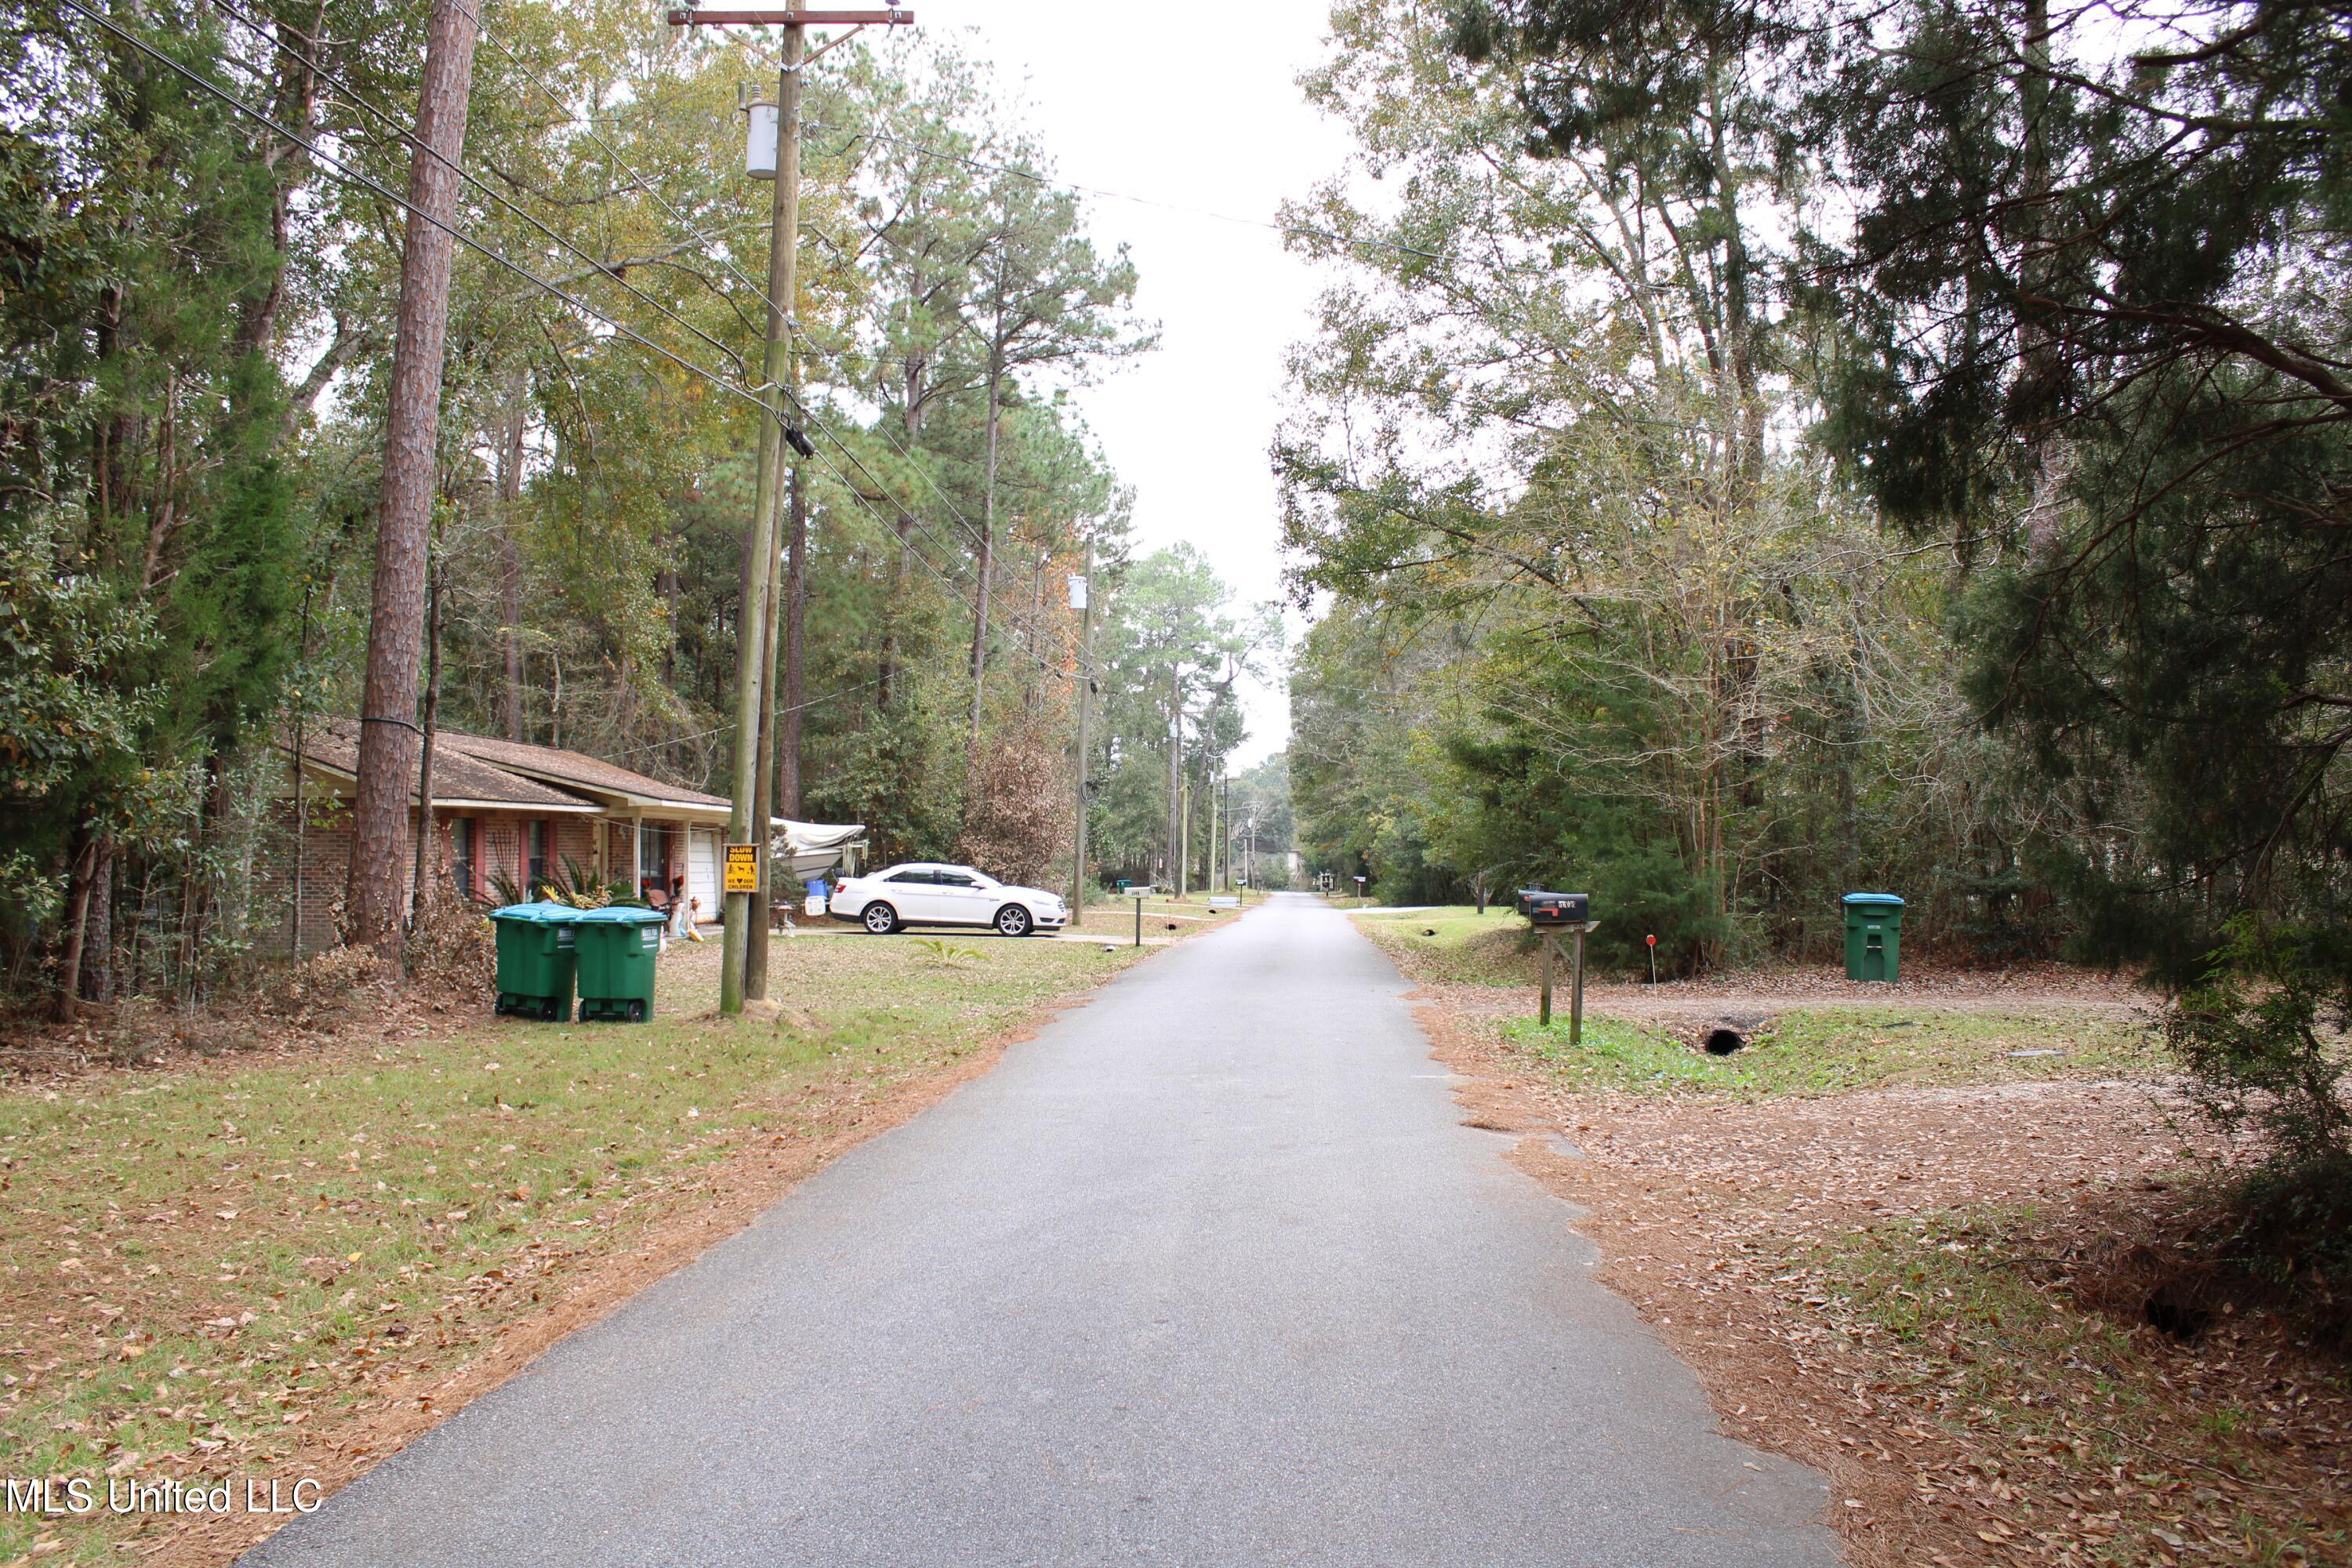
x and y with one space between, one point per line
924 893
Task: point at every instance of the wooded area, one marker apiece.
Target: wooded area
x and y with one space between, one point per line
1765 450
204 229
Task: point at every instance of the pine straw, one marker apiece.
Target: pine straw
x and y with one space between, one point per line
1939 1296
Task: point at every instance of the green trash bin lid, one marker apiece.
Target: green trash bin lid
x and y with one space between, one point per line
1875 901
540 914
619 915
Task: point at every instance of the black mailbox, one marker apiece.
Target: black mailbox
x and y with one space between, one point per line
1555 909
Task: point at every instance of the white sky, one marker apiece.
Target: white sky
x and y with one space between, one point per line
1153 102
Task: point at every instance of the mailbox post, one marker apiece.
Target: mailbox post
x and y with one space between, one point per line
1554 914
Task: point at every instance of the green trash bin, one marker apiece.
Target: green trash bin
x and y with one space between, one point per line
1873 936
618 944
535 960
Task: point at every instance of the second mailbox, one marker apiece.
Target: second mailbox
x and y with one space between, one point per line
1545 908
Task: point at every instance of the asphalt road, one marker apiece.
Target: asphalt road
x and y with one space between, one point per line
1208 1273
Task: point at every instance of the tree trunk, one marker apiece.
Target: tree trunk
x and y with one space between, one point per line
902 525
1739 331
987 561
788 721
290 167
67 1003
396 611
421 895
1033 692
666 586
510 461
97 928
2037 342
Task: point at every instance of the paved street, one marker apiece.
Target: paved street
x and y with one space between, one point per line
1208 1273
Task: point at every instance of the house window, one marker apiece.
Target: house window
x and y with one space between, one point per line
461 854
650 866
537 835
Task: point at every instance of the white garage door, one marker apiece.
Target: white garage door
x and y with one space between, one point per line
702 871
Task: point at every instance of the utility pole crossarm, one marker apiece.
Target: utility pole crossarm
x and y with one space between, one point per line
690 18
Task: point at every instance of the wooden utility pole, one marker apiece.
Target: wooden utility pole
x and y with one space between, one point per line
753 639
1226 830
1085 587
762 918
1175 774
788 719
387 756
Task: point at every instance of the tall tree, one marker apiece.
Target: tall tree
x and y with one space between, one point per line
1044 298
411 466
2094 285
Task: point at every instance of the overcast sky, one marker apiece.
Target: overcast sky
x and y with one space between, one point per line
1155 102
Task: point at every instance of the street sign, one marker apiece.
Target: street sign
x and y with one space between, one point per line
742 867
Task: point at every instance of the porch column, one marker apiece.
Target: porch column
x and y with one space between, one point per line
636 853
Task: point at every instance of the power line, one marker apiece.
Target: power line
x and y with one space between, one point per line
355 175
835 694
1025 623
984 165
359 177
603 267
720 254
727 261
859 496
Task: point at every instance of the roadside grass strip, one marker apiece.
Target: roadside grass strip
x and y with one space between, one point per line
198 1262
1815 1051
1468 949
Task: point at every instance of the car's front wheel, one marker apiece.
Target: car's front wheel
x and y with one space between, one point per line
881 919
1013 920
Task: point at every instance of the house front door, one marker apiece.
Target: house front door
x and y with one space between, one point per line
702 871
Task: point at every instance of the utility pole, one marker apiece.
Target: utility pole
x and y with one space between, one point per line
1183 835
754 644
795 638
1082 595
1175 773
758 916
752 650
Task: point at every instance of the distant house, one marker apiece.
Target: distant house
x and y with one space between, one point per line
500 806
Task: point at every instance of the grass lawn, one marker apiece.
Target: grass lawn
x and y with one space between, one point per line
1811 1048
1834 1050
196 1263
1469 949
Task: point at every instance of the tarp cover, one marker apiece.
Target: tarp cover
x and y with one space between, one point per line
809 848
800 837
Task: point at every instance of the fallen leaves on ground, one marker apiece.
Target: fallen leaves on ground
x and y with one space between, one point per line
1911 1289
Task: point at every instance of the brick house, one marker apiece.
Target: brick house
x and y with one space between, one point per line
499 807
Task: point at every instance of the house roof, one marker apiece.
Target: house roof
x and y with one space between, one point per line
572 770
475 770
457 779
